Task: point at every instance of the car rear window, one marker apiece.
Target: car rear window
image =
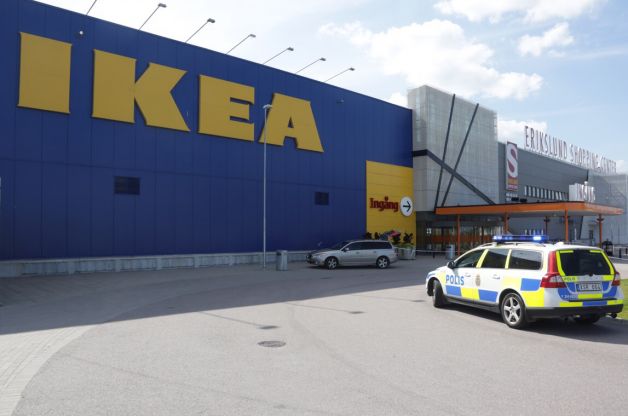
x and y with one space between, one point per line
525 259
495 259
382 245
582 262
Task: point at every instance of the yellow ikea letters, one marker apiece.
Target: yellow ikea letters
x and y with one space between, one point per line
44 74
224 106
292 117
216 108
116 91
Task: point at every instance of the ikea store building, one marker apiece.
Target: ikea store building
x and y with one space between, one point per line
118 144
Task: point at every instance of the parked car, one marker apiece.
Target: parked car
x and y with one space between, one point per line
525 281
355 253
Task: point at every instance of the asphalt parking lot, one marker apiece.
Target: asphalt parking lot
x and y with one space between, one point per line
355 341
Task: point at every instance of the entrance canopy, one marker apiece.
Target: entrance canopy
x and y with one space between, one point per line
538 209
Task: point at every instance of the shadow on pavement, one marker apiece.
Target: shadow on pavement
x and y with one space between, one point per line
68 301
606 330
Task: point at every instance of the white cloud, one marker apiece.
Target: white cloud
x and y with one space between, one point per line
556 36
437 53
398 99
533 10
513 130
622 166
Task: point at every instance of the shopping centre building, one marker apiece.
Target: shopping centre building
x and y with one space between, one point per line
116 143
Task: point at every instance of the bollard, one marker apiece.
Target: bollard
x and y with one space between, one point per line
282 260
450 252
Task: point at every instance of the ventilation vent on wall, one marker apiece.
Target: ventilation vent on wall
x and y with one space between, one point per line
321 198
126 185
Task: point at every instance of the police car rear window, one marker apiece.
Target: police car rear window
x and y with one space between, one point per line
583 262
525 260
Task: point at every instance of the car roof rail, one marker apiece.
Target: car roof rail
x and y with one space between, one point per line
488 245
519 243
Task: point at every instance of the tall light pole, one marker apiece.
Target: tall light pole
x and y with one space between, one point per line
309 65
160 5
340 73
210 20
250 35
267 108
91 7
289 48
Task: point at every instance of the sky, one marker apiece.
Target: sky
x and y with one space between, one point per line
560 66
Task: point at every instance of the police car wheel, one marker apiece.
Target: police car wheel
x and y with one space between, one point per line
438 297
513 311
587 319
382 262
331 263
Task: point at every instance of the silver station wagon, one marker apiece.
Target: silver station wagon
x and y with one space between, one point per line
355 253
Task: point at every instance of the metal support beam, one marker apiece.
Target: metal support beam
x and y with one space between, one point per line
458 234
464 143
566 226
440 175
600 219
443 165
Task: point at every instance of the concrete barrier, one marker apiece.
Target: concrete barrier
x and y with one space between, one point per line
16 268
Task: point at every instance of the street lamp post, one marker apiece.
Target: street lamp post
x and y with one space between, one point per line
250 35
340 73
289 48
309 65
160 5
91 7
210 20
267 107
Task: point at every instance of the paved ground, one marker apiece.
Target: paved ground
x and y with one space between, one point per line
359 341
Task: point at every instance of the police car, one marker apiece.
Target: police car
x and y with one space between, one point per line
523 278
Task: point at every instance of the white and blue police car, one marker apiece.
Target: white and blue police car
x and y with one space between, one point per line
524 278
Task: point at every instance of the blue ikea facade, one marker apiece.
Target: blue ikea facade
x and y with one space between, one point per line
198 193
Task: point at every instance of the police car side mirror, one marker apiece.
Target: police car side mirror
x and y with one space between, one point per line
451 265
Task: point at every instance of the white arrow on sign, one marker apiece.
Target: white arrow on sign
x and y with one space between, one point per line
406 206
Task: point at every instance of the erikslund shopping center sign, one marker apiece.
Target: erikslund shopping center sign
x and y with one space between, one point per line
539 142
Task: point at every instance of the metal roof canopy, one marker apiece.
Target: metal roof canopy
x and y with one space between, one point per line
535 209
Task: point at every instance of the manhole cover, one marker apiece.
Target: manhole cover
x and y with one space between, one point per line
271 344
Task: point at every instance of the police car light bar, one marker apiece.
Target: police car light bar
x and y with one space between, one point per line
520 238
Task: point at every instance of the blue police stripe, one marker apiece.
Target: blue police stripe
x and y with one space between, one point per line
453 290
611 293
594 303
605 286
571 286
488 295
564 293
530 285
